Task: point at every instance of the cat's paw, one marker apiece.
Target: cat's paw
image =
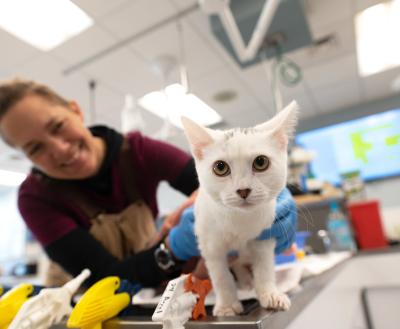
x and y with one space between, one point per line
274 300
228 310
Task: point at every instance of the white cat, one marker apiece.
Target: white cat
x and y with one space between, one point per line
241 172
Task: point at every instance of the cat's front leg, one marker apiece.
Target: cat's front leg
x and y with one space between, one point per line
227 302
264 276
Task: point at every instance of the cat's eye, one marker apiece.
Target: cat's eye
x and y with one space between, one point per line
261 163
221 168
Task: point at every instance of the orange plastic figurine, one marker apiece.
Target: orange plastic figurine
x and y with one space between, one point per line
200 288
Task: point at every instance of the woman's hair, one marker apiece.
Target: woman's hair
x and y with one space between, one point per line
11 92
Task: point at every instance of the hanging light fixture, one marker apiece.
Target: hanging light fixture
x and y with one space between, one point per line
175 99
175 102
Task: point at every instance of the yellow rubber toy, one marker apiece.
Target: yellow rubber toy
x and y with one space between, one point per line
99 303
1 290
11 302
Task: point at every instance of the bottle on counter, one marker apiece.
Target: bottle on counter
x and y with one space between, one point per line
339 230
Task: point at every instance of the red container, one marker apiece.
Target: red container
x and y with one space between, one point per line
367 224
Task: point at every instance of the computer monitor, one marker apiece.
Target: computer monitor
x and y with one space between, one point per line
370 145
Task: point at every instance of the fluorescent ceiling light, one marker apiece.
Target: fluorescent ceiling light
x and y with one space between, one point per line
175 102
377 29
44 24
11 178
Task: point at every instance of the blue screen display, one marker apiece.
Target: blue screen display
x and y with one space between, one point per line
370 144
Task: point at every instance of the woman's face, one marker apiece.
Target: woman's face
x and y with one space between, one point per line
53 137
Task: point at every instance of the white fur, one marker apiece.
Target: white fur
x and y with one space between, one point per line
226 222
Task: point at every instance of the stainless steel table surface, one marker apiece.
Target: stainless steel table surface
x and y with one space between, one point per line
254 317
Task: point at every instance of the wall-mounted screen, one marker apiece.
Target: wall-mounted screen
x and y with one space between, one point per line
370 144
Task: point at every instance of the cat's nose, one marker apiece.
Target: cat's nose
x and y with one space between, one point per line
243 193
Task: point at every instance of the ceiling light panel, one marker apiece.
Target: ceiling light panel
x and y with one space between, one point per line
44 24
377 32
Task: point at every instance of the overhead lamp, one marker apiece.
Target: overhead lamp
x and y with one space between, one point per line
174 102
11 178
44 24
377 30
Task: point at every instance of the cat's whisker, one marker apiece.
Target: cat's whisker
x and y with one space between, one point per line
308 217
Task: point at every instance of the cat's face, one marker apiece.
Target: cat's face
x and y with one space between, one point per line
243 168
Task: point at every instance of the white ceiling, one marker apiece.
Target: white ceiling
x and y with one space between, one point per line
330 76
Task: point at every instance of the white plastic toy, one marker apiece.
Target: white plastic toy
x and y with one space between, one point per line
176 305
49 307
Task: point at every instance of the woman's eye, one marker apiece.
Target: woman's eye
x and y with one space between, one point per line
221 168
57 127
261 163
35 149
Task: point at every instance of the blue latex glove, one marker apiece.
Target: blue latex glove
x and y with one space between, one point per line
284 227
183 241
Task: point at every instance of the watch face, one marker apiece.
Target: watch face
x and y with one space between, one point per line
163 257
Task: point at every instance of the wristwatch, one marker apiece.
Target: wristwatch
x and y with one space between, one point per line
164 258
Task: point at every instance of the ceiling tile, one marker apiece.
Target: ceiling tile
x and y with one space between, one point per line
337 96
100 8
89 43
343 44
341 69
124 72
221 80
258 81
325 12
166 41
75 86
137 16
302 97
183 4
380 85
364 4
48 70
201 24
14 52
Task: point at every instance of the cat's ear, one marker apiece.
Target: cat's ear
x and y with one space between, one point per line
283 124
198 136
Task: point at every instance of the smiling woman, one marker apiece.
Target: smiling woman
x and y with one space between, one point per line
90 199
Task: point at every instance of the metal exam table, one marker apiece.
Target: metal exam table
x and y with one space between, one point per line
254 317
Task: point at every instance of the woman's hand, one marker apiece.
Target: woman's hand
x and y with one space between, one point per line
173 219
182 240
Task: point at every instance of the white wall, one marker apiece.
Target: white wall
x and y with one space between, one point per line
12 227
168 199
